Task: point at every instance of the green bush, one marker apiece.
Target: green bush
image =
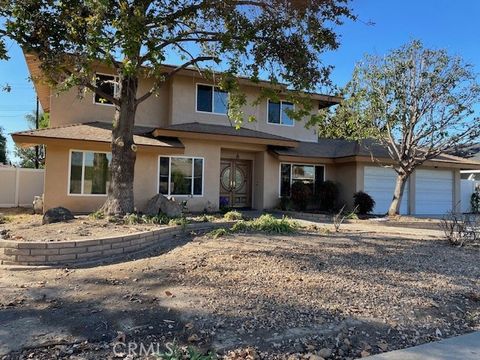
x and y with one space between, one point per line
133 219
301 195
327 195
266 223
233 215
97 215
475 201
363 202
216 233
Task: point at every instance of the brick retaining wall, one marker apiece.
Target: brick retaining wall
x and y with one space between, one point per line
77 251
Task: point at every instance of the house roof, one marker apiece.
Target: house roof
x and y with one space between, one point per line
468 151
92 131
339 148
210 131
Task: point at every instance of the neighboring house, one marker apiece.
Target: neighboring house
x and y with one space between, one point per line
471 152
188 149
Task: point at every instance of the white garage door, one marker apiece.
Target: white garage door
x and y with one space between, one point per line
434 192
379 183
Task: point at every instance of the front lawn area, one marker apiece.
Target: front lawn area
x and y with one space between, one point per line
369 289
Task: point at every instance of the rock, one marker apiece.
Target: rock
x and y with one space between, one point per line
314 357
57 214
38 205
325 353
160 203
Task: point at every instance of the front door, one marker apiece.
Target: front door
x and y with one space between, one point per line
235 183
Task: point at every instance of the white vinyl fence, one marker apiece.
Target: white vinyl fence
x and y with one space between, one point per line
19 186
467 189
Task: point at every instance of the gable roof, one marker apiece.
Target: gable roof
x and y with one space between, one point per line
92 131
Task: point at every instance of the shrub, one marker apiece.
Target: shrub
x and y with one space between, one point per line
327 195
180 221
301 194
363 202
134 218
216 233
233 215
97 215
460 229
5 219
475 201
266 223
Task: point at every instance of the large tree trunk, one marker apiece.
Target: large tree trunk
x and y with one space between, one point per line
398 194
120 199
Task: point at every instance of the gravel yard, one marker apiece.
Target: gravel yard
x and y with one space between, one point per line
369 289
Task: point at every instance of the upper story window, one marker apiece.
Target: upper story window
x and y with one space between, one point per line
109 85
89 172
277 113
211 99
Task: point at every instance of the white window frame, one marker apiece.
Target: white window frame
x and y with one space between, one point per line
280 123
213 99
116 88
193 158
291 170
83 171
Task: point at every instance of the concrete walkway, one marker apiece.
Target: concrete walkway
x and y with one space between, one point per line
465 347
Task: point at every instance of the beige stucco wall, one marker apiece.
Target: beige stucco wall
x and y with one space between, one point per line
146 177
69 107
183 110
345 175
175 103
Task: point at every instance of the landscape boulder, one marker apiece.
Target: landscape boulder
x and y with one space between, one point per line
57 214
160 203
38 204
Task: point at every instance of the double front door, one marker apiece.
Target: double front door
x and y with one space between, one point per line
235 183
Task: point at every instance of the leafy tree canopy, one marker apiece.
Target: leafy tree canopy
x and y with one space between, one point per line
3 147
31 156
280 39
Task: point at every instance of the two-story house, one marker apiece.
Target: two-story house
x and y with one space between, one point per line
188 149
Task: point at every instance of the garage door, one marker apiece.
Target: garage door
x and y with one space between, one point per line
379 183
434 192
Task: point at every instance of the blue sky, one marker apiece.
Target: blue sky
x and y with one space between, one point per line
452 25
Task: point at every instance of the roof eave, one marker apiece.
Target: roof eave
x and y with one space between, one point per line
225 137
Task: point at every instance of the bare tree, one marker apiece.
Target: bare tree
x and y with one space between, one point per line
417 103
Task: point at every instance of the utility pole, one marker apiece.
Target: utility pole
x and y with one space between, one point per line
37 164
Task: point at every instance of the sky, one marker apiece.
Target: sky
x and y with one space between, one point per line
451 25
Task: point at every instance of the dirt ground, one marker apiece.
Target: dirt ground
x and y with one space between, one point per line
369 289
21 224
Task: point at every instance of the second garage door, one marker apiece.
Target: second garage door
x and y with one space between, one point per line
433 192
379 183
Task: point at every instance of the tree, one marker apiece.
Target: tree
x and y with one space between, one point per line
283 39
3 147
29 157
415 102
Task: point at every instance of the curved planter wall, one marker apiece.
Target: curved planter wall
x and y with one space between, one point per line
77 251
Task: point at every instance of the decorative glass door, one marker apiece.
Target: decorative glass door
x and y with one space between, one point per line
235 183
